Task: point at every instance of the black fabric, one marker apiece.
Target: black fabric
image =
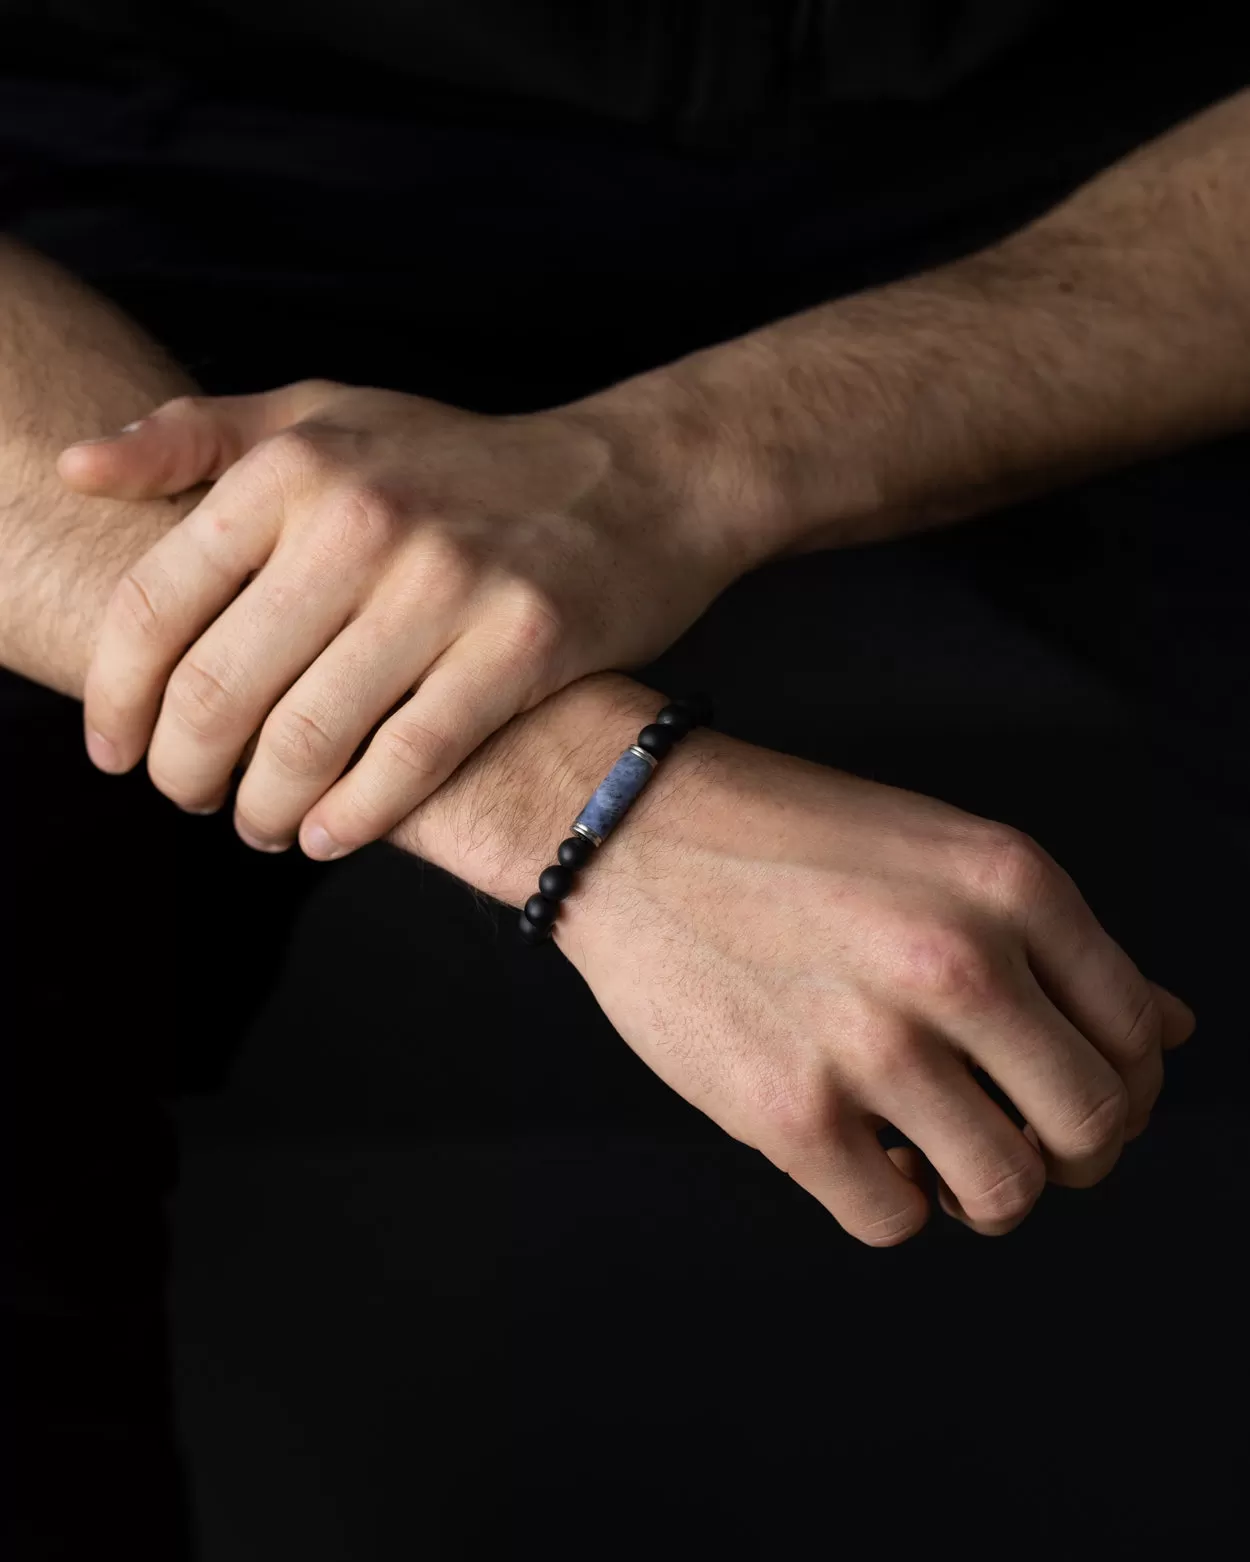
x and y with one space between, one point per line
718 76
687 63
449 1265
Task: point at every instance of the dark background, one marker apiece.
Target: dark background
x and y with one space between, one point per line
449 1266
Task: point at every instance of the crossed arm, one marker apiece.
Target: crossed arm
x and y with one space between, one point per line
1115 326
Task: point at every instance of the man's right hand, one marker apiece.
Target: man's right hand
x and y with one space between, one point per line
805 956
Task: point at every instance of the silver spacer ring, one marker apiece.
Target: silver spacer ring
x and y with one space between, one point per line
587 834
642 754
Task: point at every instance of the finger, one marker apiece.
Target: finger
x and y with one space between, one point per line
193 439
910 1162
858 1182
469 694
1089 977
160 605
1178 1019
240 668
1060 1082
950 1205
311 734
995 1173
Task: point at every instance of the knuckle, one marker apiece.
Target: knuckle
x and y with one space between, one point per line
1010 1192
414 748
1007 866
300 745
363 522
797 1113
951 966
200 698
135 605
1096 1128
297 454
533 621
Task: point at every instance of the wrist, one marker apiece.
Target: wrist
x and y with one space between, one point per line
497 822
674 434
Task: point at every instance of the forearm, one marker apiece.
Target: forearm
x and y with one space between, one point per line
1116 326
71 366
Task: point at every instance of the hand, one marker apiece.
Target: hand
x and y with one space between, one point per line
360 545
805 956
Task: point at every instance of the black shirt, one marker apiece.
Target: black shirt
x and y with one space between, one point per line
701 70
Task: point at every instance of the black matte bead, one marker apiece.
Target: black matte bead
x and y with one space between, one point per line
530 933
540 910
677 719
699 706
575 852
555 882
656 740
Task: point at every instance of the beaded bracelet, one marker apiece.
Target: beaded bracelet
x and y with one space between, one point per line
609 804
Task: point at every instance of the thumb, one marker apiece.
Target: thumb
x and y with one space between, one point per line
190 440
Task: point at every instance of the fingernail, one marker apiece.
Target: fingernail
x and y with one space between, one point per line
320 845
103 754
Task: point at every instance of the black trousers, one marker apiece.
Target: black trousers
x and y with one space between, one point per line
343 1228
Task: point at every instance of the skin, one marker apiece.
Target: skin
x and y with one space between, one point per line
392 545
805 955
375 569
889 942
70 366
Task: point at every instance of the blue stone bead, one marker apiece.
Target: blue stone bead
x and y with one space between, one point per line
614 794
